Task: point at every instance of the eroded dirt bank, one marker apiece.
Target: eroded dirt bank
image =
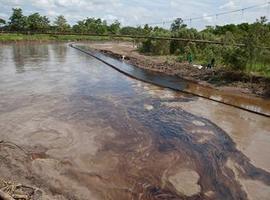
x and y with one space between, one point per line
221 79
84 131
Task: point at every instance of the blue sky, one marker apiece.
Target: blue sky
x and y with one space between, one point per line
137 12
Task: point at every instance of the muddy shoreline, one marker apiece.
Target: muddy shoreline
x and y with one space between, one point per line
237 83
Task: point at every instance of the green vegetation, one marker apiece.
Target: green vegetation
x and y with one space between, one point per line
45 37
250 57
2 22
37 23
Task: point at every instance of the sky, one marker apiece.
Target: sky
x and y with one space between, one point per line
139 12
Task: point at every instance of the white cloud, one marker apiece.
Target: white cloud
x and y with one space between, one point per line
228 5
3 15
112 18
173 3
133 12
207 19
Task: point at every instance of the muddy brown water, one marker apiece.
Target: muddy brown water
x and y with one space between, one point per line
92 133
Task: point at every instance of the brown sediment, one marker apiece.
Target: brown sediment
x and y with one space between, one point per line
253 140
254 189
91 133
209 156
185 181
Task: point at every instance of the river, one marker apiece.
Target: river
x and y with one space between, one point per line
90 132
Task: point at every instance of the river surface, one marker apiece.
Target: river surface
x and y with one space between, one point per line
90 132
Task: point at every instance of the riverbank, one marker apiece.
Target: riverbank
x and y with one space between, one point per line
222 79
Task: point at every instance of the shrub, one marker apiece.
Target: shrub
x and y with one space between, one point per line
236 58
156 47
181 58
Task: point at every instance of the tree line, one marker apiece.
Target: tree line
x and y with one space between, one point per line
38 23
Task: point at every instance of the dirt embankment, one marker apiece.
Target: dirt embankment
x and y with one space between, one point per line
219 78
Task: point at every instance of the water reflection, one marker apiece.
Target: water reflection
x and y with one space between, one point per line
59 51
25 54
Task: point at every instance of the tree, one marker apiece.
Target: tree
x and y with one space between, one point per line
91 25
36 22
262 20
79 27
2 22
115 27
147 29
244 27
61 24
177 25
221 30
18 21
228 38
128 30
209 29
236 58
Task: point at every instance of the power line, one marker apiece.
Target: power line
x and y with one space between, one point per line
190 19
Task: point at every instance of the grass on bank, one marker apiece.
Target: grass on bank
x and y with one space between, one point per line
12 37
7 37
